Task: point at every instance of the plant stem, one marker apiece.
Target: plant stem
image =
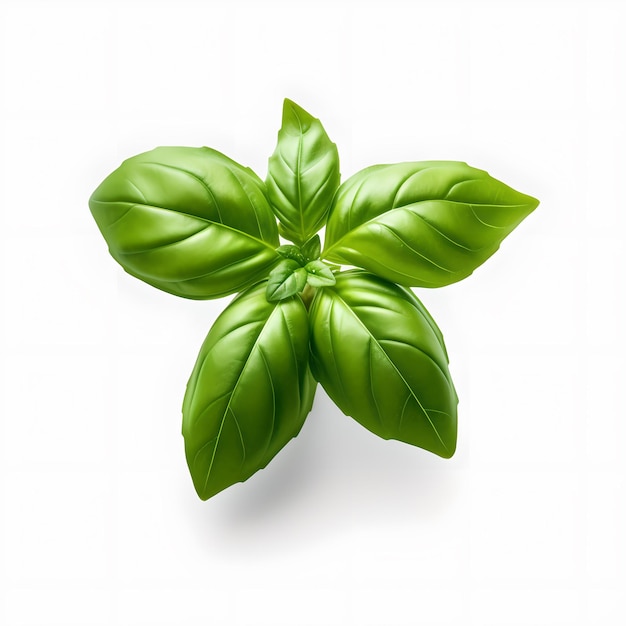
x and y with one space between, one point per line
307 295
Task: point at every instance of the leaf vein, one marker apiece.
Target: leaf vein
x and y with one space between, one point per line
166 245
143 197
269 377
423 256
404 343
393 365
406 402
195 176
485 223
234 391
371 381
243 445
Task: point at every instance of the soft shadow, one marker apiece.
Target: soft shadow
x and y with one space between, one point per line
334 478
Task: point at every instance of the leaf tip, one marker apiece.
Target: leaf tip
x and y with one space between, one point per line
294 116
450 449
529 204
449 439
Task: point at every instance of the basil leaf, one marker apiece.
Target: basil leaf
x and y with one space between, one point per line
380 357
292 252
312 248
285 280
303 174
250 390
424 224
319 274
189 221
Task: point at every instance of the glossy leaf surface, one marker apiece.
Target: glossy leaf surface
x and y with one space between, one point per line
303 174
189 221
425 224
285 280
250 390
381 358
319 274
293 253
312 248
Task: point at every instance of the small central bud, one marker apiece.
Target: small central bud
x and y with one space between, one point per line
299 271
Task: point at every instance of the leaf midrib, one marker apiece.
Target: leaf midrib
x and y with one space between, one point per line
236 385
191 215
406 207
299 176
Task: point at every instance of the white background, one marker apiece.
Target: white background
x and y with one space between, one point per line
99 522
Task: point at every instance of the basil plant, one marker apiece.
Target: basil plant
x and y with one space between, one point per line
194 223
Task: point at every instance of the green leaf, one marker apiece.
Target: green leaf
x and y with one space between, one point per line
425 224
292 252
285 280
250 390
319 274
303 174
189 221
381 358
312 248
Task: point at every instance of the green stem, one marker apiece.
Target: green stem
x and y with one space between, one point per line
307 295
